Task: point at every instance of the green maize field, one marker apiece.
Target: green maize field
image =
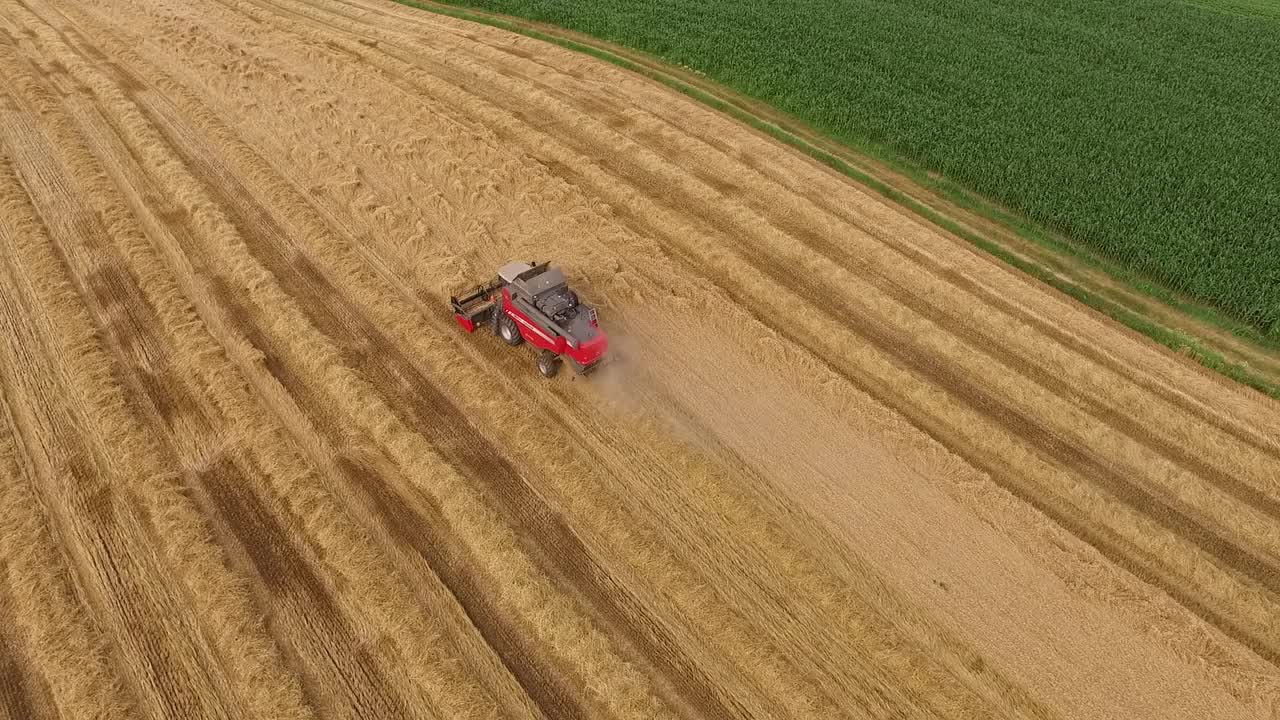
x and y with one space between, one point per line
1146 130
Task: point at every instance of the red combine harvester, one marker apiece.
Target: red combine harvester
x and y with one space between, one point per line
532 301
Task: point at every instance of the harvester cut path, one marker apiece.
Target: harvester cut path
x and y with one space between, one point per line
533 302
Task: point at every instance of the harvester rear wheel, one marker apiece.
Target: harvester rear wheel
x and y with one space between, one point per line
548 363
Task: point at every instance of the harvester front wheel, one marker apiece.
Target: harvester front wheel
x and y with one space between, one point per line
509 331
548 363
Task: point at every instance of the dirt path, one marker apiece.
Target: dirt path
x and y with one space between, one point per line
844 467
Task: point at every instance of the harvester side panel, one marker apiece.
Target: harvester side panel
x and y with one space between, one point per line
533 332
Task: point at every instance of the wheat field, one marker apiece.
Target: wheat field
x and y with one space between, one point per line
843 465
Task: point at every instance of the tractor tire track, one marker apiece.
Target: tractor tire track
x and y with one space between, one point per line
328 647
18 692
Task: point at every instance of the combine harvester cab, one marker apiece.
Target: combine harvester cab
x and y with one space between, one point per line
532 302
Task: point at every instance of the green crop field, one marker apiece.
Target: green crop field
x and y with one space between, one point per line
1147 130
